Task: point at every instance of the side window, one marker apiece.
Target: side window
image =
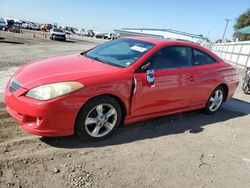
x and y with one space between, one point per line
200 58
171 57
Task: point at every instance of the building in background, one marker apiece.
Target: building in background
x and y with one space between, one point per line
162 33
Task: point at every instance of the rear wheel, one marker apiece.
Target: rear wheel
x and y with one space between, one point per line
99 118
215 100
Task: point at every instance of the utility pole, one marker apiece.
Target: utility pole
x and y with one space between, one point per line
227 20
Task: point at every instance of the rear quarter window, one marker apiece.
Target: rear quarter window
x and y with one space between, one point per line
201 58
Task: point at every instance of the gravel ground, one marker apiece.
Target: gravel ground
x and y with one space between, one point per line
184 150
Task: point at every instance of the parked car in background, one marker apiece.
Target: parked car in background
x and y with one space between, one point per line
78 32
75 30
110 36
12 26
30 25
102 35
57 34
15 29
84 32
68 30
121 81
3 25
90 33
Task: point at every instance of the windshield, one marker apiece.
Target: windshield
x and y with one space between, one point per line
120 52
58 30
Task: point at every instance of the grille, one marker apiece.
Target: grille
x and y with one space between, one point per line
14 85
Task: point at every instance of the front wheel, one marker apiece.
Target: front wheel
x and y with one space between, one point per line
52 37
99 118
215 100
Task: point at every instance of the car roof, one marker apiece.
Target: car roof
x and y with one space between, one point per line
163 41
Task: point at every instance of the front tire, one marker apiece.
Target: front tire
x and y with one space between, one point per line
52 37
99 118
215 100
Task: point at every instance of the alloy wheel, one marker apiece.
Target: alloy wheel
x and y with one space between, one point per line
101 120
216 100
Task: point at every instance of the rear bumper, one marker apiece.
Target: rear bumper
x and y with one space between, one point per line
231 89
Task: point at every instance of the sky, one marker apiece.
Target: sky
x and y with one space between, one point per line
206 17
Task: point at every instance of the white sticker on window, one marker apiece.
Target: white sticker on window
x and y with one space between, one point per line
138 48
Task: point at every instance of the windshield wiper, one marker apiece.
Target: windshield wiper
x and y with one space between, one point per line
94 58
98 59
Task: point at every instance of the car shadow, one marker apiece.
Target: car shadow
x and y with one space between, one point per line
11 42
192 122
69 41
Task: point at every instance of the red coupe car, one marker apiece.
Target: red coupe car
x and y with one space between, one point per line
121 81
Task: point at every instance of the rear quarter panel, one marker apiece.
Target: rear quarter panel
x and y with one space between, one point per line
207 78
229 75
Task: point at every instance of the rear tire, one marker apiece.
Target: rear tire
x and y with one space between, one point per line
215 100
99 118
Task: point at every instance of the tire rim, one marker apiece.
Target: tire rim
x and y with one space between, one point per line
216 100
101 120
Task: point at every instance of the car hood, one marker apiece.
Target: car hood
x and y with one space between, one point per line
67 68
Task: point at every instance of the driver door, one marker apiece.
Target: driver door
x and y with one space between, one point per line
166 83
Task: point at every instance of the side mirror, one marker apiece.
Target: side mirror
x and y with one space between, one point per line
149 74
145 67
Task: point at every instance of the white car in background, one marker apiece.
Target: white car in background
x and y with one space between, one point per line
57 34
82 32
30 26
110 36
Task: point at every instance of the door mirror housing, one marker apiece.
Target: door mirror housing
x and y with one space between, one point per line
145 67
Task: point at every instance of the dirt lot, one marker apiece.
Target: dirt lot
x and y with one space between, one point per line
183 150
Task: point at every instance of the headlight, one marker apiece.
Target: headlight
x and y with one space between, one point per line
50 91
